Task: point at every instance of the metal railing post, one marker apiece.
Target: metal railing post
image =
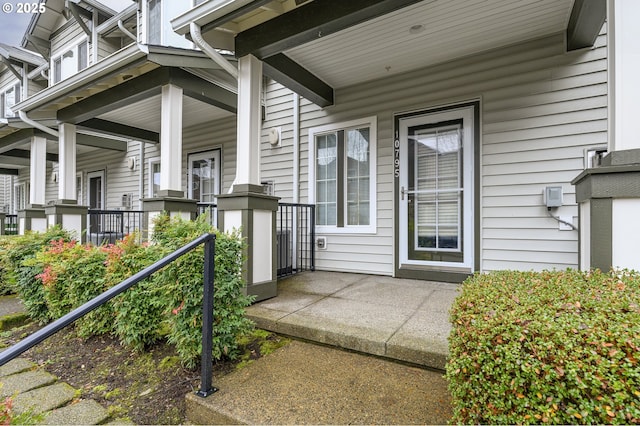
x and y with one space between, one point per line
206 388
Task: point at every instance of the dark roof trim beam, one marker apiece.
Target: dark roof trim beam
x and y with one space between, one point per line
98 142
143 87
205 91
587 18
316 19
121 130
9 172
16 139
123 94
25 153
292 75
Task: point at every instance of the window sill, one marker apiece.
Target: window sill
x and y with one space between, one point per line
322 230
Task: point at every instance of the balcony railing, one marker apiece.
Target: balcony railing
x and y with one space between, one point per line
108 226
11 224
211 210
296 234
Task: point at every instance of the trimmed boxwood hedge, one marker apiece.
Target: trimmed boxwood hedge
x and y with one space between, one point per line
546 347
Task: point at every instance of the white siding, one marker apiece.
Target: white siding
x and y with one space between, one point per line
65 37
540 109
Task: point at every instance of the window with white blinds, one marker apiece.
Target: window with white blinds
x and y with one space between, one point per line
438 187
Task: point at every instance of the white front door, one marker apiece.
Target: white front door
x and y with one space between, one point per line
95 199
204 176
435 172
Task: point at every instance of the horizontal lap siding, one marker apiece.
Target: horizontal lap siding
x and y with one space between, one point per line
540 109
208 136
534 135
204 137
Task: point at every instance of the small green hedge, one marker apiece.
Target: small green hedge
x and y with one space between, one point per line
53 274
548 347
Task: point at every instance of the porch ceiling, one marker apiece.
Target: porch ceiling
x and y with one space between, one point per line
427 33
145 114
320 45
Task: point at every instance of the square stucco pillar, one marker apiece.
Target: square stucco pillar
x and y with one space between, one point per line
246 207
32 218
254 214
173 206
71 217
609 196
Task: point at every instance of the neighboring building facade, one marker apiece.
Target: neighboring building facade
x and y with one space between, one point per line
435 139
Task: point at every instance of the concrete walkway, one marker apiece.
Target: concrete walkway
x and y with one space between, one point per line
401 319
40 395
307 383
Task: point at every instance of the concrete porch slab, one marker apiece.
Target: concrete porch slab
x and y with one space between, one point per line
406 320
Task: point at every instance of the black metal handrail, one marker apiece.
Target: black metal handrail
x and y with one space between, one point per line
209 241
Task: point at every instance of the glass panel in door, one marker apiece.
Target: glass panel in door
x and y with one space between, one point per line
435 203
95 196
434 192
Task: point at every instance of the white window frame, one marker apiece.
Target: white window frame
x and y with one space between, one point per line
79 188
372 124
102 174
22 187
16 86
217 154
151 162
167 36
58 56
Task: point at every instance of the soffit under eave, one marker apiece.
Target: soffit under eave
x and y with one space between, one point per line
50 109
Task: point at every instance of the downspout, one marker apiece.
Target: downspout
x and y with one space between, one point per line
36 125
141 182
196 36
126 31
216 57
296 148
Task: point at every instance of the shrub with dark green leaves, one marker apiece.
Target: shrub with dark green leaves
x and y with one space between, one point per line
22 271
139 311
7 282
182 284
548 347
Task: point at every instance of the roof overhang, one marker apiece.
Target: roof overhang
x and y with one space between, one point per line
322 45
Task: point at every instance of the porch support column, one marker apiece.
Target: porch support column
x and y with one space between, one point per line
38 171
609 196
247 208
65 211
170 195
32 218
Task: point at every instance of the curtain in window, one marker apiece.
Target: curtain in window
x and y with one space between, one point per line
154 30
326 179
203 180
357 145
83 55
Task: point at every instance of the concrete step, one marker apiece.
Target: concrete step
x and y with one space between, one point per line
304 383
36 392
